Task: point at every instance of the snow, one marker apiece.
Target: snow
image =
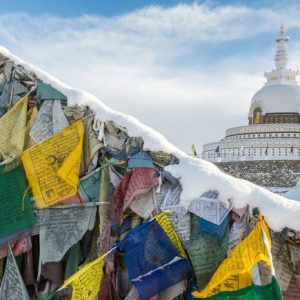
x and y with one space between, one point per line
196 175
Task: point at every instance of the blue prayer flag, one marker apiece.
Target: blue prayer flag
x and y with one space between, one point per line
153 262
213 230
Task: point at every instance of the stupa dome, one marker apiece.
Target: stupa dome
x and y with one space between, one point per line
277 98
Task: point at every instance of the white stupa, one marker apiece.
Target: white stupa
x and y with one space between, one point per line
273 131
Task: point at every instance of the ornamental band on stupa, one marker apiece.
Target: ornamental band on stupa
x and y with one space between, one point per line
267 150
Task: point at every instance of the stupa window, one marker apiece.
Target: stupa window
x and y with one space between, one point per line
257 116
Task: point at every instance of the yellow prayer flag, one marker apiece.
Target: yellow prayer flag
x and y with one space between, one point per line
169 229
12 130
31 117
237 267
87 281
194 151
52 167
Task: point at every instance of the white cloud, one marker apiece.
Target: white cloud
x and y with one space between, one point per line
139 62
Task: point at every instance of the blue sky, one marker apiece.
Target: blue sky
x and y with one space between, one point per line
186 68
67 8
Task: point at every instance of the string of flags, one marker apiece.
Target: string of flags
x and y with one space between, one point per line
87 213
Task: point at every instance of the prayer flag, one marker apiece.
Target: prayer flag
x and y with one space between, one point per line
52 167
12 130
15 206
49 120
89 186
210 229
194 151
31 117
48 92
87 281
206 253
266 151
165 223
12 285
239 263
254 292
61 228
218 151
153 260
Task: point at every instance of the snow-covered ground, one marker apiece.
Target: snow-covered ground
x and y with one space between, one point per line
196 175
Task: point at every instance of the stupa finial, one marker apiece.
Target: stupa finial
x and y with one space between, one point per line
281 57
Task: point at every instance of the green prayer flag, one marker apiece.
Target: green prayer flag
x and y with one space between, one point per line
205 253
254 292
89 186
48 296
15 206
48 92
73 260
